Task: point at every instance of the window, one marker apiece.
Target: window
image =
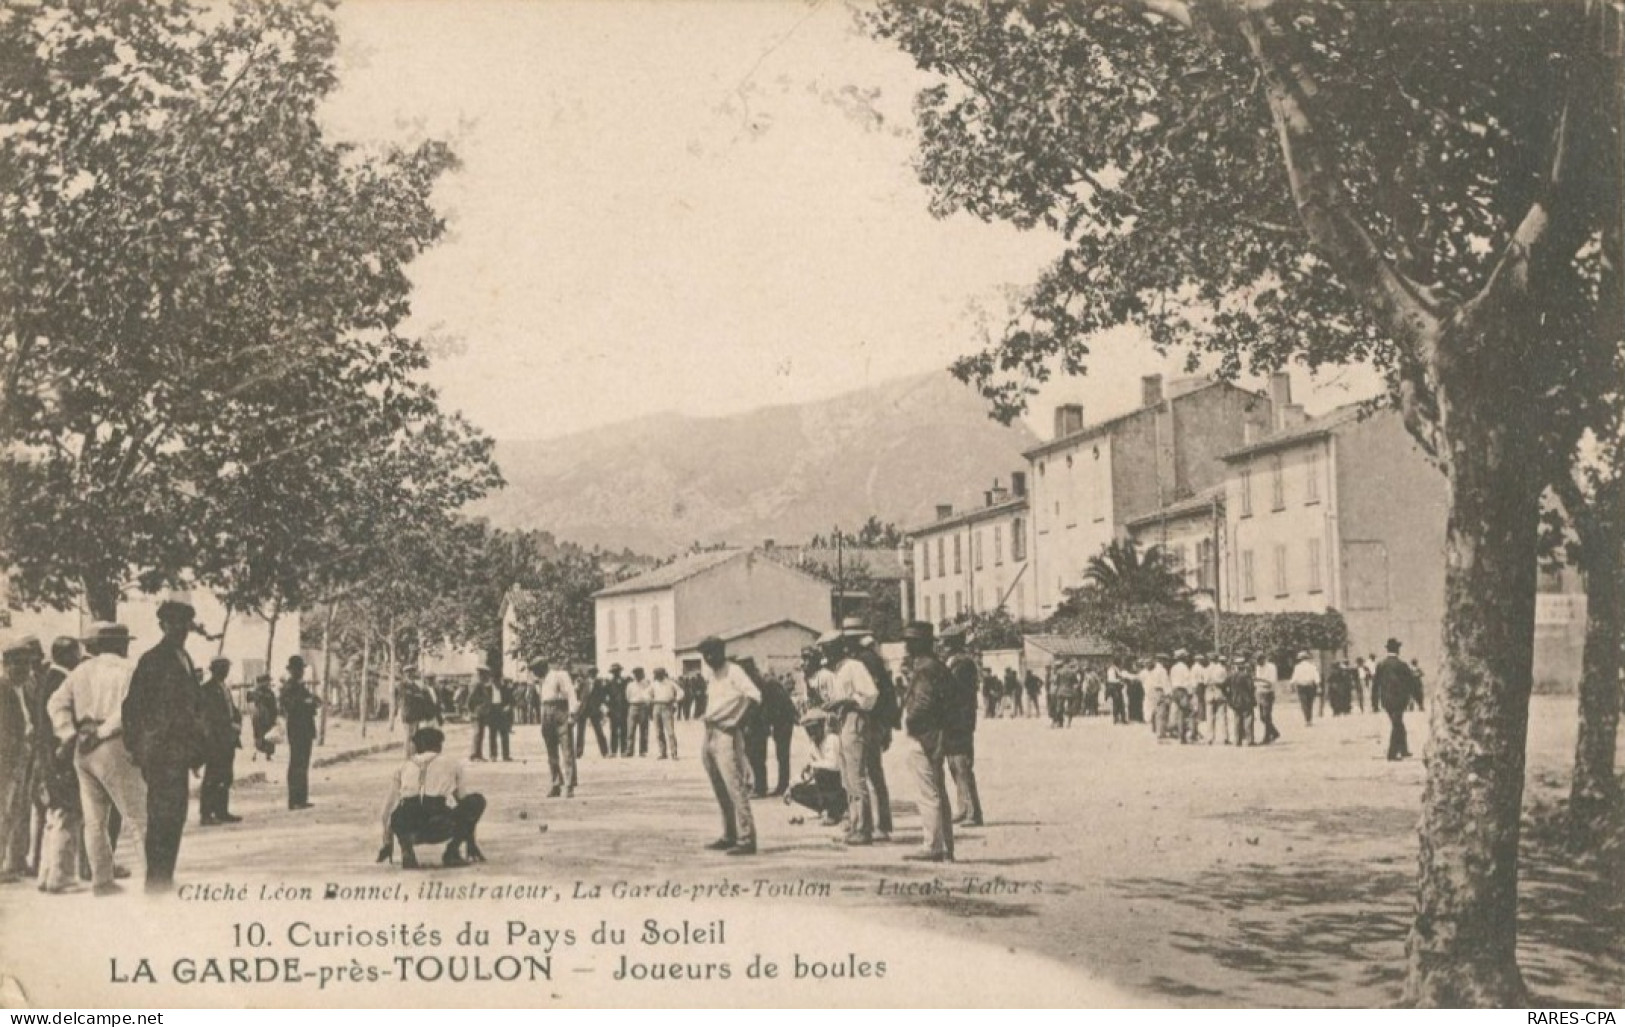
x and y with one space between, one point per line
654 625
1204 565
1277 483
925 565
976 549
610 630
1280 570
1018 539
959 563
942 564
1248 590
1311 480
1246 492
1314 565
632 628
998 545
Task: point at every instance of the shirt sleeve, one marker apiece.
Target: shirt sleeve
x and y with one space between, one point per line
114 724
864 689
60 707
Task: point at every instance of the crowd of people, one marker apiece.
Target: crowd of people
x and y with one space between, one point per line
94 745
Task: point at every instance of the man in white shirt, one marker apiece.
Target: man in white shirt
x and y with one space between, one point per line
639 705
556 694
428 803
852 698
1306 681
87 711
729 696
664 694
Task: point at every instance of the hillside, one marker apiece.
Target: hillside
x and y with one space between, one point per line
659 483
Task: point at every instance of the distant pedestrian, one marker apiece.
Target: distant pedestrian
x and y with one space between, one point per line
299 710
1306 682
1240 694
1398 686
1264 691
1115 693
263 717
499 719
222 737
729 696
560 706
665 695
478 706
1034 688
615 705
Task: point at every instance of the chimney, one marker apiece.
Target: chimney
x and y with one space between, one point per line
987 499
1068 419
1280 396
767 543
999 493
1150 390
1018 484
944 511
1292 416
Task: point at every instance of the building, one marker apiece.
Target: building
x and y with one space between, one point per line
1091 481
652 620
858 571
975 561
775 647
1191 533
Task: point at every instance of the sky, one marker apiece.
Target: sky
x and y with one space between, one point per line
700 206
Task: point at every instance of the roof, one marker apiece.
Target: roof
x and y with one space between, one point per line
1102 427
970 516
1316 428
672 574
734 634
883 563
1200 504
1068 646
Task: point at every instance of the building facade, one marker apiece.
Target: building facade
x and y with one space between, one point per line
647 621
1090 482
976 561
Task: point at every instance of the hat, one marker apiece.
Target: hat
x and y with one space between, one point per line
1181 652
1304 655
810 652
853 626
1393 645
614 668
918 630
219 661
711 644
660 672
542 661
296 660
831 637
107 631
176 606
17 647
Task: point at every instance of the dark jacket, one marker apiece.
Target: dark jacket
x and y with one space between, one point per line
222 721
163 723
1238 690
930 709
299 708
960 734
1396 685
887 712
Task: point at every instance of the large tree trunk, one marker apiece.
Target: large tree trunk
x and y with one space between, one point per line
101 599
1462 946
1594 795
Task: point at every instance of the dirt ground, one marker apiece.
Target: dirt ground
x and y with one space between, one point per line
1181 875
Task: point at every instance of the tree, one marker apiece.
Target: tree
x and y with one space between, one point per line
1135 601
1423 186
200 344
1121 573
556 618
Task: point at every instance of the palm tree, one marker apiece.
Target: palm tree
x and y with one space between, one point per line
1121 573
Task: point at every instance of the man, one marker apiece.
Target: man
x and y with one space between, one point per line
959 738
1398 686
615 701
927 718
990 694
591 710
299 710
885 718
820 679
1034 687
1012 688
222 737
1306 682
664 695
428 804
772 719
16 752
639 700
87 714
557 695
729 696
1240 694
479 709
1134 688
1219 706
1114 693
1362 682
62 851
1264 691
20 857
499 718
163 730
853 697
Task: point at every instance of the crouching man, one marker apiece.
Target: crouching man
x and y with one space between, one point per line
428 805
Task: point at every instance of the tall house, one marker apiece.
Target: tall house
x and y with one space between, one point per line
1091 481
976 561
1340 512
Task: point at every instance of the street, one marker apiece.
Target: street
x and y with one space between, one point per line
1188 875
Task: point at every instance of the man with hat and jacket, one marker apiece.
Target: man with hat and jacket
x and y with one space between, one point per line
927 717
1397 687
222 737
959 737
162 727
299 709
87 714
885 718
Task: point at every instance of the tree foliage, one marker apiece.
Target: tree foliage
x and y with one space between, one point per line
556 616
201 352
